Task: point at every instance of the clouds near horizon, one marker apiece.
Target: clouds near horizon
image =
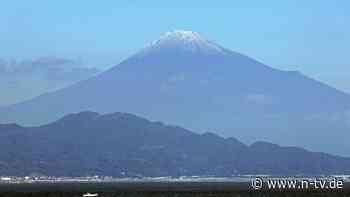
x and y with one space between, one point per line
22 80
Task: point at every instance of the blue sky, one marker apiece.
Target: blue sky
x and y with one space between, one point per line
311 36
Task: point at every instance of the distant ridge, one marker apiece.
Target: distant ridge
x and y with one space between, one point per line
125 145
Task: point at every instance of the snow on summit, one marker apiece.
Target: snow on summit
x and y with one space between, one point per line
182 35
188 41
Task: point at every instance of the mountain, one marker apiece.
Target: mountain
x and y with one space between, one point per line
122 144
184 79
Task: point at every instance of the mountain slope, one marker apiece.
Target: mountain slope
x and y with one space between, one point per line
121 144
185 80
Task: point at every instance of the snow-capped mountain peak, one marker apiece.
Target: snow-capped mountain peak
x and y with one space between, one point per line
182 35
188 41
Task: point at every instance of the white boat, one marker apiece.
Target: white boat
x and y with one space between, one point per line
90 195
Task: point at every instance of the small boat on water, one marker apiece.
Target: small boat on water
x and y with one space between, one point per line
90 195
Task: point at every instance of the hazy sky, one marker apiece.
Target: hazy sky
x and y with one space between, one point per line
312 36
